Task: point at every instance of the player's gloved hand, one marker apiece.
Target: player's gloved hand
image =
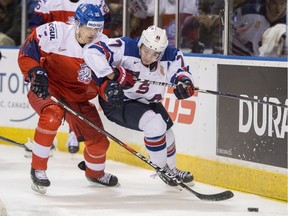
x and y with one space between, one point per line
125 77
39 81
184 87
114 93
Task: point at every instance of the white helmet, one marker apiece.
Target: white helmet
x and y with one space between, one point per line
154 38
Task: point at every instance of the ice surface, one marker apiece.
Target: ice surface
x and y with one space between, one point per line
138 194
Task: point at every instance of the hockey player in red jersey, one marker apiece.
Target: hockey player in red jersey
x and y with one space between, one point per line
51 59
58 10
147 58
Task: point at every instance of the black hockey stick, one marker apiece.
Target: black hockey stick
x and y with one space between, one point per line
218 93
22 145
209 197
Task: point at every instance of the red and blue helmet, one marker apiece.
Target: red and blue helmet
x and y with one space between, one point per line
89 15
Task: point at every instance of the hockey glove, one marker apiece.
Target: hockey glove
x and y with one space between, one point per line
124 77
114 93
39 81
184 87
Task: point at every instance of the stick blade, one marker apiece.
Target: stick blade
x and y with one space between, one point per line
216 197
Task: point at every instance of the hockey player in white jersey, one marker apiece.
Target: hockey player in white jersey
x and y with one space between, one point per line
147 58
58 10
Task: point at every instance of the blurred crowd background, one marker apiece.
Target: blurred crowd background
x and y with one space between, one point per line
229 27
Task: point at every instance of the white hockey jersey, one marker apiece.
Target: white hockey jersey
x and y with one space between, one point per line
57 10
274 42
54 46
124 52
250 24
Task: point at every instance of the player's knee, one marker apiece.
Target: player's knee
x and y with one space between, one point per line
51 117
97 147
152 124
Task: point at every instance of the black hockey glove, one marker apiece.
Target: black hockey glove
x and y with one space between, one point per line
39 81
124 77
114 93
184 88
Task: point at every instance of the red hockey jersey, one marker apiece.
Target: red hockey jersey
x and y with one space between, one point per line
55 47
58 10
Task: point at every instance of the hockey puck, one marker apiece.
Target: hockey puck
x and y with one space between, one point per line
253 209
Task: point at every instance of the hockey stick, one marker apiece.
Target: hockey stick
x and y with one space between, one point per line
22 145
217 93
209 197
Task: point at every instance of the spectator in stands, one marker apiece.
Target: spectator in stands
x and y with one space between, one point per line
167 11
274 42
249 24
274 39
210 14
190 34
116 13
142 13
276 11
10 23
251 20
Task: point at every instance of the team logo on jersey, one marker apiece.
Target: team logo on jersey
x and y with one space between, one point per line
61 49
84 74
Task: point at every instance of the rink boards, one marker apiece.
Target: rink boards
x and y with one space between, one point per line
226 142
